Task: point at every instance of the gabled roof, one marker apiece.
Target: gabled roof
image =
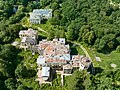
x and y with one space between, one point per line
55 60
55 52
42 11
35 16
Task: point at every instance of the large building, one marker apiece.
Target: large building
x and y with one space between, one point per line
53 55
39 14
78 61
81 61
28 38
53 52
56 54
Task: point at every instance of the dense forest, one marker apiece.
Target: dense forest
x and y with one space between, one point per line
93 22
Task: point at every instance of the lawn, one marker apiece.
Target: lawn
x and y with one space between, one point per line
25 22
80 51
45 26
106 59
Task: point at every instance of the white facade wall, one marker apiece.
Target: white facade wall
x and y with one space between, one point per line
39 14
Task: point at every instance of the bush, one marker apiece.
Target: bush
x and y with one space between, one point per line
118 49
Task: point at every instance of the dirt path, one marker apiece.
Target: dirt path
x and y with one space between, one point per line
40 29
84 50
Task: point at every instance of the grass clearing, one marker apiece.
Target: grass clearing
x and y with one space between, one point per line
42 34
47 26
106 59
80 51
25 21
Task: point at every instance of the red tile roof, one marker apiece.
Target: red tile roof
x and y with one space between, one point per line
55 60
53 51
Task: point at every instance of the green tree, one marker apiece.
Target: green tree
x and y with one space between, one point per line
55 6
75 82
45 2
2 86
9 33
24 2
118 48
57 14
8 52
51 35
21 87
2 78
10 83
21 71
87 82
54 21
8 8
72 31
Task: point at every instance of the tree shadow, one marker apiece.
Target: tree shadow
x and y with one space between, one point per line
53 75
106 50
31 73
14 62
40 38
97 70
44 21
73 50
